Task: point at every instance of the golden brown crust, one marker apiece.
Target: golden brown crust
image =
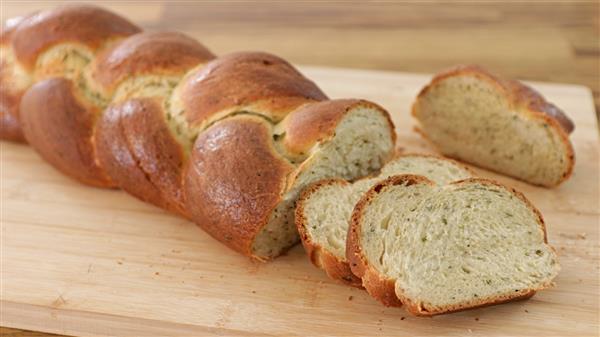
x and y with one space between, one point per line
60 127
418 309
8 29
532 100
136 148
87 25
260 82
235 180
384 289
336 268
10 128
520 94
313 123
523 98
159 53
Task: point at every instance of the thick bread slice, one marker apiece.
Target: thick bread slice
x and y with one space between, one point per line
324 209
439 249
501 125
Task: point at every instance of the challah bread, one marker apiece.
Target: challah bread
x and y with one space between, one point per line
228 142
439 249
51 44
324 208
502 125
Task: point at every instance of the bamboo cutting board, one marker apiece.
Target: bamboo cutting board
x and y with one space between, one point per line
84 261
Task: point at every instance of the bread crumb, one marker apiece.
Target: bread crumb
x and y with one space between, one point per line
350 298
119 262
477 318
254 291
526 310
156 273
582 236
402 318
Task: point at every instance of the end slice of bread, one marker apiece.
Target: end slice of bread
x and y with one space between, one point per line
502 125
323 210
439 249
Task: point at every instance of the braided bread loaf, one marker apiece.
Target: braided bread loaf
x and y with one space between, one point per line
228 142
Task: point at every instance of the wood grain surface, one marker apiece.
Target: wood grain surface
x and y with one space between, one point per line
548 41
85 261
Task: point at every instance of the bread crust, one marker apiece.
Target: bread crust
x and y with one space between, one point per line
10 127
336 268
87 25
313 123
136 148
59 125
383 289
523 98
247 81
235 180
10 97
156 53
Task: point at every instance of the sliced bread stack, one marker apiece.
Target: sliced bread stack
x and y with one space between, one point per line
426 234
323 210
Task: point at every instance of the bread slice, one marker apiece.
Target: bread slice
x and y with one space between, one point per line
324 209
502 125
439 249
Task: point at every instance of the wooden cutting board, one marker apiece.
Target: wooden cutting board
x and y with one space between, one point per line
85 261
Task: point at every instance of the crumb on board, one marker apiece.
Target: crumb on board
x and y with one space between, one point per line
402 318
350 298
527 311
254 291
477 318
156 273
